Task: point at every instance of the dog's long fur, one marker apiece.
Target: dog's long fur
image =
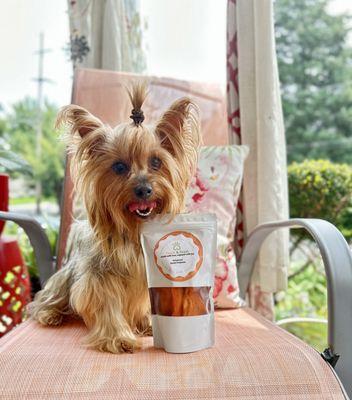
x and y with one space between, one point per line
103 281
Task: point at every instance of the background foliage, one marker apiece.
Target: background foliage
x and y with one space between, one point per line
317 189
19 133
315 66
322 189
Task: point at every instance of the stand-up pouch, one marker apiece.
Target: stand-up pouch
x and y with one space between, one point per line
180 258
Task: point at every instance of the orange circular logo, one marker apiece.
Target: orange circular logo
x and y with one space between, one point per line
178 255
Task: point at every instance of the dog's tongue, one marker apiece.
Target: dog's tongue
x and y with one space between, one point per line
141 205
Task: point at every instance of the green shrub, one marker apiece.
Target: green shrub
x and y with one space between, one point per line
322 189
305 296
317 189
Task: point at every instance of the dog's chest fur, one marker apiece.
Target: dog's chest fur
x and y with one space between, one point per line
124 268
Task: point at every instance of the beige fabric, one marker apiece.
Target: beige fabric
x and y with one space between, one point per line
103 23
265 179
252 359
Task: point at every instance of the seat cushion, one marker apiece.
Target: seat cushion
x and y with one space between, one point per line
252 359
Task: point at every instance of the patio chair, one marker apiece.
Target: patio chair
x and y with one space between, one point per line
252 358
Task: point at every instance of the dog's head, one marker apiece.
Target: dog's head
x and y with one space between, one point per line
128 174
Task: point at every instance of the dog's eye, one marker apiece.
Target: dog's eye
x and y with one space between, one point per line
155 163
120 168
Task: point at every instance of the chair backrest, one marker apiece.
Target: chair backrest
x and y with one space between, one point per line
104 94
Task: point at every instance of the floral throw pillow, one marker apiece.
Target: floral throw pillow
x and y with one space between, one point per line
216 188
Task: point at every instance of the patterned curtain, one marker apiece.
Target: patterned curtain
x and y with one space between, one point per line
255 118
106 34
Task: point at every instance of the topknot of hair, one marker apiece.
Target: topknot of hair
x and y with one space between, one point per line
137 94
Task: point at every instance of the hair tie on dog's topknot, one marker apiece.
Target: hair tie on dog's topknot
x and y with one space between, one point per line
137 116
137 94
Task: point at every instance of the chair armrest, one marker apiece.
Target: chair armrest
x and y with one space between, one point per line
39 241
337 259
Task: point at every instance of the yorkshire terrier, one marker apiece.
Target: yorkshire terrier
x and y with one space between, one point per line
125 176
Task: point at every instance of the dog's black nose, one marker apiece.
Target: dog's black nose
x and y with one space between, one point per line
143 190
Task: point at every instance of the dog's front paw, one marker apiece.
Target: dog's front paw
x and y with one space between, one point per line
113 345
122 345
128 346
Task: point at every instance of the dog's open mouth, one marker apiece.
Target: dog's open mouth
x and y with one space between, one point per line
143 209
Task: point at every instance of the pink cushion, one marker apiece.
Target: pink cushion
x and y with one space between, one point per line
104 94
252 359
216 189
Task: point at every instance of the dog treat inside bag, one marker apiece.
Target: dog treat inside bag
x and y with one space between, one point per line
180 263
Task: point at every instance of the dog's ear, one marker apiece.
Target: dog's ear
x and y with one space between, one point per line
179 131
79 119
86 131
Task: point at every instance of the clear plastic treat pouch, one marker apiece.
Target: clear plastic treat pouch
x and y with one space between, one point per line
180 259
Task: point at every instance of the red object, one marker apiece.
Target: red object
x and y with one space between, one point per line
14 278
4 197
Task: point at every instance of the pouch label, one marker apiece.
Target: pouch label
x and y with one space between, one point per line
178 255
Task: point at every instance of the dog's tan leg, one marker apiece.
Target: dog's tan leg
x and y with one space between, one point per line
99 301
138 312
144 326
51 304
